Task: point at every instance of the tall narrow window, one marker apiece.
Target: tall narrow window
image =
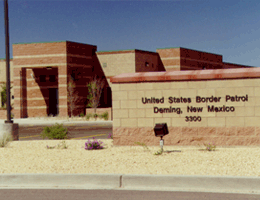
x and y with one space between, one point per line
104 65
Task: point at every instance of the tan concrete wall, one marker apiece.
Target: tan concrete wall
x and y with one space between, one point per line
117 63
134 121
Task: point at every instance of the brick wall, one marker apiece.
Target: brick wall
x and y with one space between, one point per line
83 65
176 59
146 61
232 118
170 58
32 78
232 65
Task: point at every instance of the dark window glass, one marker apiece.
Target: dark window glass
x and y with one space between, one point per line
52 78
42 78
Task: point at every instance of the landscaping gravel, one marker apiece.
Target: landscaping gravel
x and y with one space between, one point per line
34 157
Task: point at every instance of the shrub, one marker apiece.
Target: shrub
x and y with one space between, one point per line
5 139
91 145
110 136
105 115
59 146
81 115
56 131
210 147
89 115
143 145
158 152
95 115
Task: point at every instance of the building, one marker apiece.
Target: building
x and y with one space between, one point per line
40 72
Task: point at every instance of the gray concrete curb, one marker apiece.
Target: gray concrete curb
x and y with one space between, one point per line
230 184
220 184
106 181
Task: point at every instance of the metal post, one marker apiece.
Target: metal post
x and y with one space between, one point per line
8 106
161 143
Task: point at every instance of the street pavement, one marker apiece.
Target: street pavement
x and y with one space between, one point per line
219 184
80 194
30 129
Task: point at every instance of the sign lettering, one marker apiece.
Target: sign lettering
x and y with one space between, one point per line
194 109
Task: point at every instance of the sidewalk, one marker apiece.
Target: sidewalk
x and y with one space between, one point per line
216 184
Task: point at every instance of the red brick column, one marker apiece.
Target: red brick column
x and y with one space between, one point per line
20 93
62 88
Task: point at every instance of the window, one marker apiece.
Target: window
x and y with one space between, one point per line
147 64
104 65
52 78
42 78
73 76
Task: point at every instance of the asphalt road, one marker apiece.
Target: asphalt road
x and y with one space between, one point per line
68 194
76 131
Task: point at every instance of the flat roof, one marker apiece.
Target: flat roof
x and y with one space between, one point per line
189 49
125 50
52 42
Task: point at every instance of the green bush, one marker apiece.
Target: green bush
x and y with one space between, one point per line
89 115
59 146
160 152
105 115
56 131
143 145
6 138
95 115
81 115
210 147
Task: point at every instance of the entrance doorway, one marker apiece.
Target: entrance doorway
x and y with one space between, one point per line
53 101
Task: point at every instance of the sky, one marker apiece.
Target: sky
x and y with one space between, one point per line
227 27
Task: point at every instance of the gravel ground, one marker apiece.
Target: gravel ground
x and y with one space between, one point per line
34 157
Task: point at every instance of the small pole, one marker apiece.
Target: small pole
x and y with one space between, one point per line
161 143
8 106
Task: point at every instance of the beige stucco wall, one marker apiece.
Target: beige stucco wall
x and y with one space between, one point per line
131 116
130 111
117 63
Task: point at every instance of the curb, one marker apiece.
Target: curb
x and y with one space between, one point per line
222 184
74 181
219 184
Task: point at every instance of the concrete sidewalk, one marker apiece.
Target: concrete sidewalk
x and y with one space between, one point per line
219 184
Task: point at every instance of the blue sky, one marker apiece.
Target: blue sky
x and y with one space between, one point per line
230 28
